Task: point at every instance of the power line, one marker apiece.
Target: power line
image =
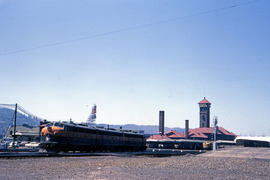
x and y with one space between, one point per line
126 29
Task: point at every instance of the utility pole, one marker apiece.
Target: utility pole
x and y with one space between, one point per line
14 130
215 134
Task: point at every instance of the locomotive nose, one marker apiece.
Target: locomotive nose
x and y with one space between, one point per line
49 129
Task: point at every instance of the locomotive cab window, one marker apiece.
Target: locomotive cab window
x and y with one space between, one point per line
59 125
50 124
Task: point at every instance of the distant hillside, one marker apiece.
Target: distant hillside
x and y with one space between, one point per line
148 129
7 119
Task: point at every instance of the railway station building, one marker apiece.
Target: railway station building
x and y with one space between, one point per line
204 132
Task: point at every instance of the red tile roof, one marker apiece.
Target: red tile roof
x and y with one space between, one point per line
198 133
210 130
224 131
158 137
204 101
174 134
203 130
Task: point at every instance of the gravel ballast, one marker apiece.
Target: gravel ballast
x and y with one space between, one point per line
204 166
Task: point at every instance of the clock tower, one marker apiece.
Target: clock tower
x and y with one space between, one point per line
204 113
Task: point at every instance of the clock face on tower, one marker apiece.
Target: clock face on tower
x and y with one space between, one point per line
203 109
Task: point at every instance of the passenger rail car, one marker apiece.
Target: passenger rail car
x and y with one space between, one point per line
74 137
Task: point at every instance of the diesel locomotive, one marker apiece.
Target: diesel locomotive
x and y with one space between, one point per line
60 136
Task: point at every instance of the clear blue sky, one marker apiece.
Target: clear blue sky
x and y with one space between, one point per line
133 74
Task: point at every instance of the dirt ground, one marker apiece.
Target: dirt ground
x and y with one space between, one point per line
228 163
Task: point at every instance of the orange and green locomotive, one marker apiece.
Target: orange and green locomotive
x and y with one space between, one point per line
59 136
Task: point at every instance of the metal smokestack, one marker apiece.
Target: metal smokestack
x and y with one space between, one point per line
161 122
186 129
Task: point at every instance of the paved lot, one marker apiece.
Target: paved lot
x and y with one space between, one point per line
233 164
240 152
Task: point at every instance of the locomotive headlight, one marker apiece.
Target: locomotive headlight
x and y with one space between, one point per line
47 138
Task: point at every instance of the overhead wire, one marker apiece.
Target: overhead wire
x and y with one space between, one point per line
9 52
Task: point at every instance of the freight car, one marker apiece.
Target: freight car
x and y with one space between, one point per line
59 136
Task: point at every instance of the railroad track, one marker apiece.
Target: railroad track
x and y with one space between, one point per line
148 152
